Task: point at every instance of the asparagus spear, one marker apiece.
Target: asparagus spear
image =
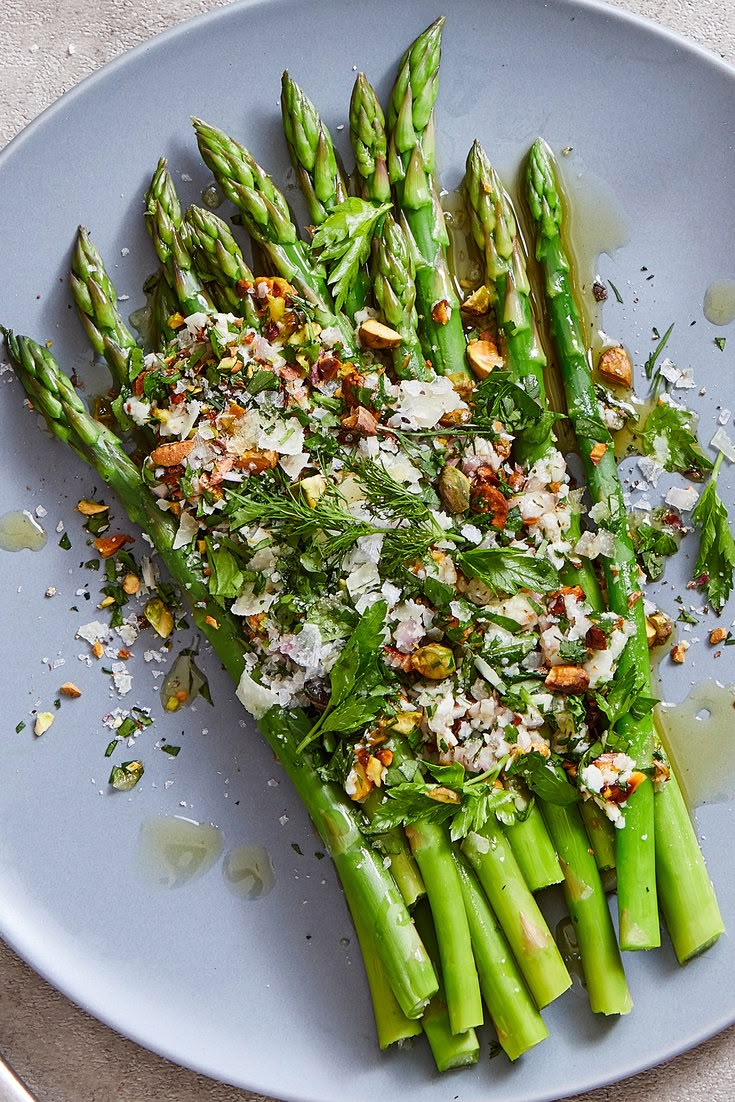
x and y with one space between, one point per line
607 987
637 900
450 1049
219 263
164 222
320 176
534 851
319 173
433 853
96 300
369 143
495 232
523 924
493 220
368 886
268 220
517 1022
411 167
395 293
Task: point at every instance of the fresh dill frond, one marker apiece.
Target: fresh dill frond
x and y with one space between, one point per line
388 497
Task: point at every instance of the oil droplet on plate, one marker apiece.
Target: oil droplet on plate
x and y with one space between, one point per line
699 736
173 851
719 302
20 531
212 197
249 872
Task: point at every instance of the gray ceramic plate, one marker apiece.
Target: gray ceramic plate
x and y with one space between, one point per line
270 994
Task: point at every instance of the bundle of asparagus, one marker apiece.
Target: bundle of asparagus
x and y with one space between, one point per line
359 493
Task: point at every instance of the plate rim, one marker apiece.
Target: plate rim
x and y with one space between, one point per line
67 100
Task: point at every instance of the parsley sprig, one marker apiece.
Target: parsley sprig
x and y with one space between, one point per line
716 559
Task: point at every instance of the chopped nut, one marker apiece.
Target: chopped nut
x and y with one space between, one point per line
478 303
97 649
595 638
433 661
597 452
634 598
662 628
313 488
441 312
210 620
175 321
567 679
131 584
374 770
717 635
678 653
404 723
257 460
443 795
43 722
70 689
599 290
90 508
483 357
373 334
454 490
650 633
106 602
361 785
614 366
455 417
170 455
362 421
123 654
108 545
159 617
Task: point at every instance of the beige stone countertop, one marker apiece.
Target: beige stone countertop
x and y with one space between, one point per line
62 1053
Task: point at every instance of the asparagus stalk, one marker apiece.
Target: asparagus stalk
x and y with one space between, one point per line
219 263
162 305
607 987
96 300
318 171
369 143
395 292
517 1022
637 898
395 846
449 1049
320 176
411 168
687 896
268 220
529 937
368 886
391 1024
601 834
495 231
534 851
492 217
433 854
165 223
